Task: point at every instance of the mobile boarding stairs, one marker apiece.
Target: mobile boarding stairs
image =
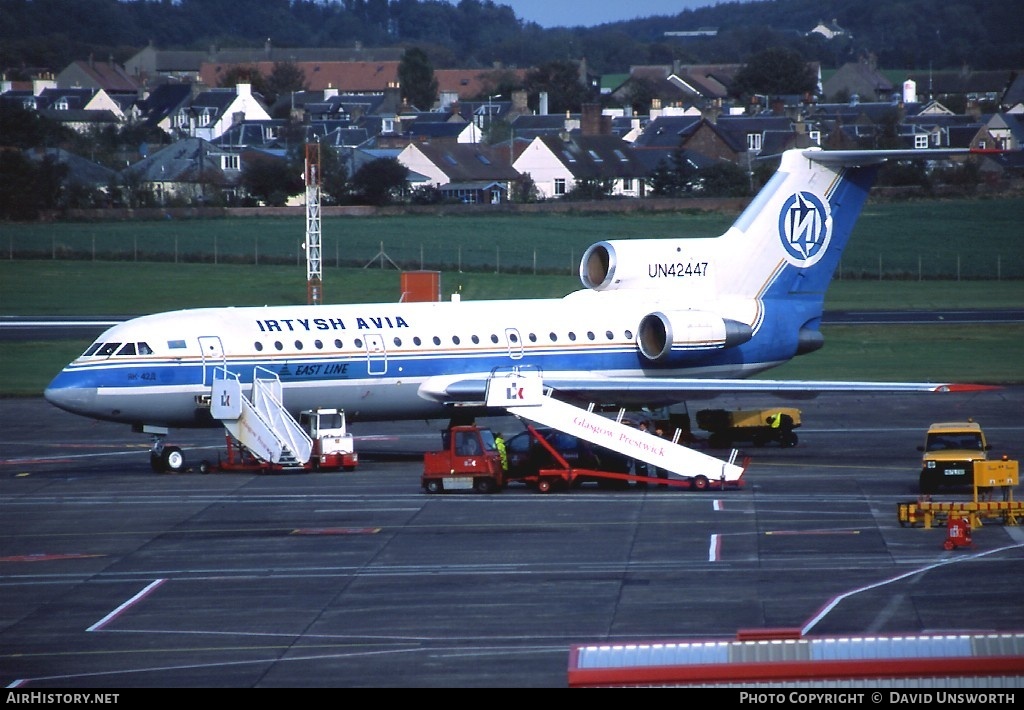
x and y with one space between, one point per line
260 423
523 395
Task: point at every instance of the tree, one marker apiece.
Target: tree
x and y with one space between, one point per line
417 80
774 72
673 178
333 176
270 179
242 74
284 78
380 181
724 180
561 80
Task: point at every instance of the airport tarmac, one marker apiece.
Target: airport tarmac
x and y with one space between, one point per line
112 576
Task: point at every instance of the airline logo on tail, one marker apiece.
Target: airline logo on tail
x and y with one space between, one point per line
805 228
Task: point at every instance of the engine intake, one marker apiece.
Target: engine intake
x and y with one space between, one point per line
666 336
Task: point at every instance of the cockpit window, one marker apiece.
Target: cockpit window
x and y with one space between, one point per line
128 349
108 349
91 350
144 349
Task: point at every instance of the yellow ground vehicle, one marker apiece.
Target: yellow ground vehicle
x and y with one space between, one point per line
950 450
757 426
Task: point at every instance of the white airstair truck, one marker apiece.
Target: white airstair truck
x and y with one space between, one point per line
259 423
522 394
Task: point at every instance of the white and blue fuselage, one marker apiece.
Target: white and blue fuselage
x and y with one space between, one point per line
656 319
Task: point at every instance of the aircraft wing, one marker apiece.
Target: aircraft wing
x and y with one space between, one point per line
654 391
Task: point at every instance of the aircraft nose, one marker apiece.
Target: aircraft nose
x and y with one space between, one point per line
70 396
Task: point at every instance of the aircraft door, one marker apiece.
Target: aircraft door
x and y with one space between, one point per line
213 356
514 342
376 354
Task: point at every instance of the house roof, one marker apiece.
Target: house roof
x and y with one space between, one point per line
666 131
467 162
80 170
163 101
182 161
472 83
108 76
595 157
320 75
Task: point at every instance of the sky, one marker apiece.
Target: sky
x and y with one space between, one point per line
571 13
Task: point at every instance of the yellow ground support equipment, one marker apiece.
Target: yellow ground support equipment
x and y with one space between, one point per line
989 477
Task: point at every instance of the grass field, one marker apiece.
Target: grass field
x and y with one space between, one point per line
932 239
979 353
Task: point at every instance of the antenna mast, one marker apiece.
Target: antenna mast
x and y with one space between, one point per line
314 263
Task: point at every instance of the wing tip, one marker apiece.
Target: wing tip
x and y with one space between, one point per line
966 387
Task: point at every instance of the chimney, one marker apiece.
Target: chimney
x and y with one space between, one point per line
243 89
330 92
590 120
519 102
543 100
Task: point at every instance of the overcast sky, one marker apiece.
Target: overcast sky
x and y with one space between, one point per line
570 13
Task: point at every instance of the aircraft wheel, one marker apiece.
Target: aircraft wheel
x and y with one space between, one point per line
204 466
434 486
700 483
173 459
543 485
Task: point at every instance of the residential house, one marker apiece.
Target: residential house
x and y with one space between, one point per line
211 113
82 173
108 76
191 170
152 66
558 163
164 107
459 85
473 173
346 77
81 110
828 30
860 79
1007 130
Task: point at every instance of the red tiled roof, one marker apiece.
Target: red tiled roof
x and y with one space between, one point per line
343 76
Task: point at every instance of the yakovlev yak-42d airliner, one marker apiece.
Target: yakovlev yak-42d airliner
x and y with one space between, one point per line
658 321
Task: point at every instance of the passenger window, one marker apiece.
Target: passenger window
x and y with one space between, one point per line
398 342
298 345
259 346
437 340
337 344
476 340
319 344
